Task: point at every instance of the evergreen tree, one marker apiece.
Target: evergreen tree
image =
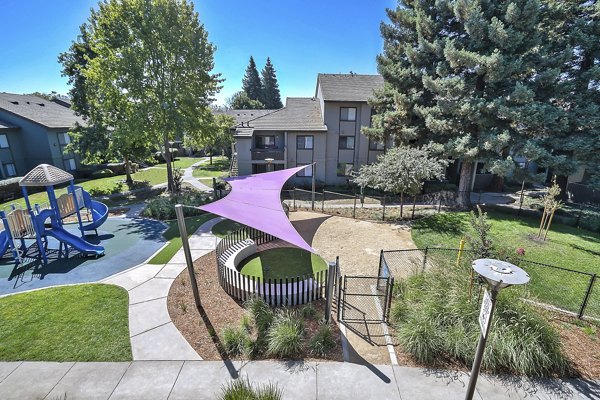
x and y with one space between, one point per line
271 97
251 83
464 76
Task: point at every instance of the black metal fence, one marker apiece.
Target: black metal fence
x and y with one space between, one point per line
373 207
560 288
287 291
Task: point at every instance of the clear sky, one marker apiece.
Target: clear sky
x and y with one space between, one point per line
302 37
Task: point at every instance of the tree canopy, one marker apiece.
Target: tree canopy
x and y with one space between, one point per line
472 78
251 83
149 74
401 170
271 97
241 101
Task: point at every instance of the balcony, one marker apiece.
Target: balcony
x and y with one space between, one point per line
262 154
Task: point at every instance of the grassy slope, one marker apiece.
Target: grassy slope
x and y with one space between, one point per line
283 262
172 235
74 323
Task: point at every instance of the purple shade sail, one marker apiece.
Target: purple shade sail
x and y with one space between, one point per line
255 201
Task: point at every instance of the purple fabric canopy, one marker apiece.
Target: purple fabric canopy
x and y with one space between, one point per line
255 201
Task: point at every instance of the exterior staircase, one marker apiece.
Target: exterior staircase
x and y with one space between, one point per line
233 168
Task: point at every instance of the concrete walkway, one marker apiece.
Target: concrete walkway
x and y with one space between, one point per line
299 380
189 177
153 335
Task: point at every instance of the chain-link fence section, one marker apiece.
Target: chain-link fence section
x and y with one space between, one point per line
553 287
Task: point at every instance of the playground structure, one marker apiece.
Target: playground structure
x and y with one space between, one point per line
31 223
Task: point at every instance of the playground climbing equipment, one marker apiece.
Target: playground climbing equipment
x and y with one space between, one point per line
31 223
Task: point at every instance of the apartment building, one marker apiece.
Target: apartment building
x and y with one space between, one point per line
324 129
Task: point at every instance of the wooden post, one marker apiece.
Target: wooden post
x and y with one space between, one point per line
187 253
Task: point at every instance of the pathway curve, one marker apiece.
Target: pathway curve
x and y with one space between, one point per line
189 177
152 333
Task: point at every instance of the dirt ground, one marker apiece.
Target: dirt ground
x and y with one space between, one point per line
357 243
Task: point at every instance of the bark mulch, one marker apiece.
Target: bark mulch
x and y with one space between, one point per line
581 345
219 310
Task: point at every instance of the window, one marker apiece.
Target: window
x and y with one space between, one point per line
70 164
304 142
306 172
375 145
64 138
3 142
346 142
344 169
10 170
265 142
347 113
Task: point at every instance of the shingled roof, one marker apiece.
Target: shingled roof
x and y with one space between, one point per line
348 87
299 114
246 115
45 175
39 110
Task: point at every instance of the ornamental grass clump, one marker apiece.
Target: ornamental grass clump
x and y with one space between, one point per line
242 389
237 341
286 335
322 342
436 320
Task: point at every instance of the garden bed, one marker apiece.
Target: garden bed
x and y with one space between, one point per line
204 330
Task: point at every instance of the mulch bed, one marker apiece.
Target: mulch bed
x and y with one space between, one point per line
219 310
581 345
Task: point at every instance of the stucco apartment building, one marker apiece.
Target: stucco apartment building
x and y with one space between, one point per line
33 131
324 129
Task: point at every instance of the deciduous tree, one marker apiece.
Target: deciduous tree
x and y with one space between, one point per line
241 101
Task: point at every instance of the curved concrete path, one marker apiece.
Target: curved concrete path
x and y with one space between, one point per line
152 333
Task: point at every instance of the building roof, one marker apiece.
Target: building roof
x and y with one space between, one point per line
45 175
7 126
299 114
39 110
241 116
348 87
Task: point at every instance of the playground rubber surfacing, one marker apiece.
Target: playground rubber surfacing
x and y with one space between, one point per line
128 242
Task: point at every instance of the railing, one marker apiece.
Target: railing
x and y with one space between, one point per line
287 291
262 154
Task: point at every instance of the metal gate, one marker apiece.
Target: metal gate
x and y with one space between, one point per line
364 298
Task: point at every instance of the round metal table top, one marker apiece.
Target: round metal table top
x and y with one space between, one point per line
495 271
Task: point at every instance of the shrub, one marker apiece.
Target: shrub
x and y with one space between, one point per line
163 207
237 341
102 173
322 342
97 191
9 188
308 311
241 389
479 239
436 319
262 314
285 337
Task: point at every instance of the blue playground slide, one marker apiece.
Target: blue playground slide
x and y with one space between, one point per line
74 241
64 236
99 212
3 243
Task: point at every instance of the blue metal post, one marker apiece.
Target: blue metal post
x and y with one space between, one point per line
24 190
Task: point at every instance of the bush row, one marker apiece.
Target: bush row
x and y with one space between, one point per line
163 207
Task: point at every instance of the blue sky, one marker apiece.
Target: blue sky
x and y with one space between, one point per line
302 38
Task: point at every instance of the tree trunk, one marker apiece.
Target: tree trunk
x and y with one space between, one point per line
465 184
210 158
128 178
167 157
562 182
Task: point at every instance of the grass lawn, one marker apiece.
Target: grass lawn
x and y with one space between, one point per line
219 168
181 162
226 227
282 262
566 247
73 323
172 235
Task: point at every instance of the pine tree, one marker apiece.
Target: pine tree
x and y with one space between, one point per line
464 75
271 97
251 83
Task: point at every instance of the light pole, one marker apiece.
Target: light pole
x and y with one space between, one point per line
498 275
269 164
